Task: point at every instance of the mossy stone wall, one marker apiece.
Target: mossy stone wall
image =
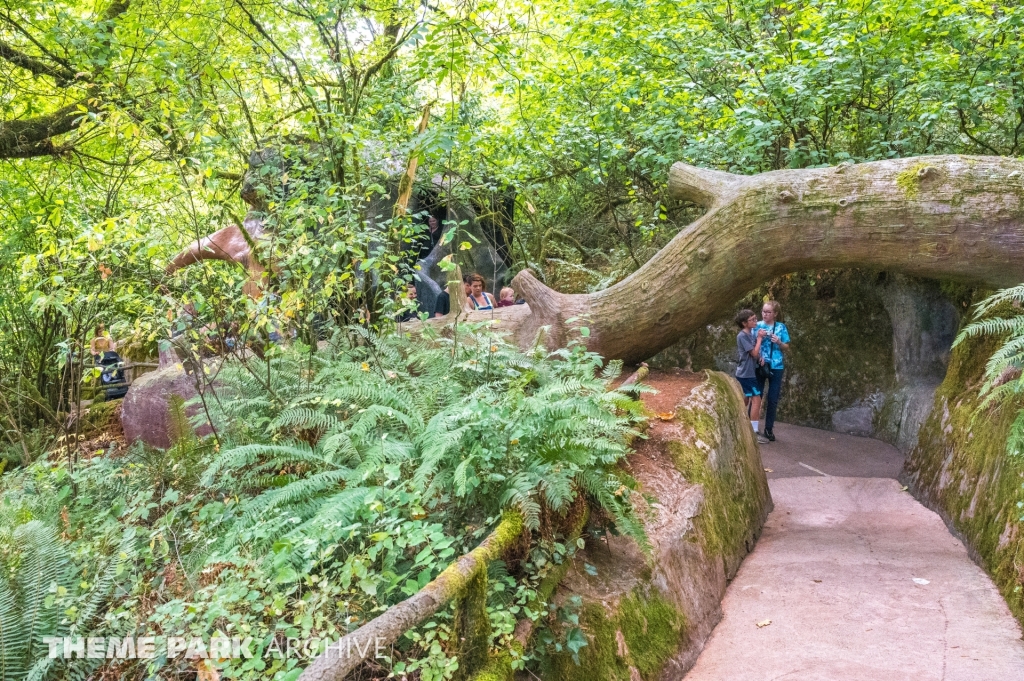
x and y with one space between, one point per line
640 634
961 470
648 617
868 348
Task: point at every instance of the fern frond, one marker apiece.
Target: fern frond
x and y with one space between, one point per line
304 489
303 418
239 458
13 639
25 616
993 326
337 510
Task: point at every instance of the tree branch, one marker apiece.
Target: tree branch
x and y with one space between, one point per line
33 137
35 66
702 186
116 9
943 217
30 137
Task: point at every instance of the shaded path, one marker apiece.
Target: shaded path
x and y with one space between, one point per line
859 580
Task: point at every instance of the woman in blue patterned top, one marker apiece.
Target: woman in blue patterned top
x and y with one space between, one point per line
773 350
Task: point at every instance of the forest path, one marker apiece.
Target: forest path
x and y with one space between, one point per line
859 581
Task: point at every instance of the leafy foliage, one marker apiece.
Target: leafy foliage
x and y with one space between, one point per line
27 590
340 480
130 131
360 474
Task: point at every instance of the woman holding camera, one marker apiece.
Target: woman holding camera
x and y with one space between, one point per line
773 349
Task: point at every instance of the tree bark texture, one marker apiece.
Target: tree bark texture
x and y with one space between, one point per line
31 137
941 217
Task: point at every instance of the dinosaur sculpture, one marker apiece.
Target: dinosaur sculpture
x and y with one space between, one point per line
485 217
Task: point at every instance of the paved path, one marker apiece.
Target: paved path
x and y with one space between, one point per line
859 581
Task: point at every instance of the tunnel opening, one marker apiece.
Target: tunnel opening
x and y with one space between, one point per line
868 348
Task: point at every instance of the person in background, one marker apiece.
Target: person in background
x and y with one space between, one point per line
506 297
411 297
773 349
480 299
100 343
443 304
748 356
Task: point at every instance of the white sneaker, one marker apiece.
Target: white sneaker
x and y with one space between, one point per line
761 439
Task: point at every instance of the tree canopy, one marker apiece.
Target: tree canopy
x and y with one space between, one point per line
131 128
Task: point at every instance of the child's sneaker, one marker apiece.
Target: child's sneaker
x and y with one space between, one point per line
761 439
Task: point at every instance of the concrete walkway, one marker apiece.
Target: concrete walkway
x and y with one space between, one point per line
854 580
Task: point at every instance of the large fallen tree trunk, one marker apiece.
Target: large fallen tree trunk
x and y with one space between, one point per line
948 217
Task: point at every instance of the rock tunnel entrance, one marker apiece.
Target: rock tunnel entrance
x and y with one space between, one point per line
869 348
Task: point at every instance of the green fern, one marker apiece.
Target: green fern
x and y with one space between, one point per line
1003 379
469 427
27 612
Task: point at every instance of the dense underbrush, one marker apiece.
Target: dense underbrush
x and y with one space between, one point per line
337 482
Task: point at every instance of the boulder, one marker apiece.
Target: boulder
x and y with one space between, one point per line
146 409
649 616
854 421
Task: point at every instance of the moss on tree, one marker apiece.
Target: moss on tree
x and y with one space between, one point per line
910 180
473 625
99 417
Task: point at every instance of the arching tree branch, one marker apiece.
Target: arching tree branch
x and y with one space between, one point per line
36 67
942 217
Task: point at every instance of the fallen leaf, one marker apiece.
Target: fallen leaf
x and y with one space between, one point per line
922 582
666 415
817 581
904 488
207 672
768 470
763 623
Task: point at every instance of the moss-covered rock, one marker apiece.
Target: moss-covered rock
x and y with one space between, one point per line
961 470
648 616
733 508
100 417
637 638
